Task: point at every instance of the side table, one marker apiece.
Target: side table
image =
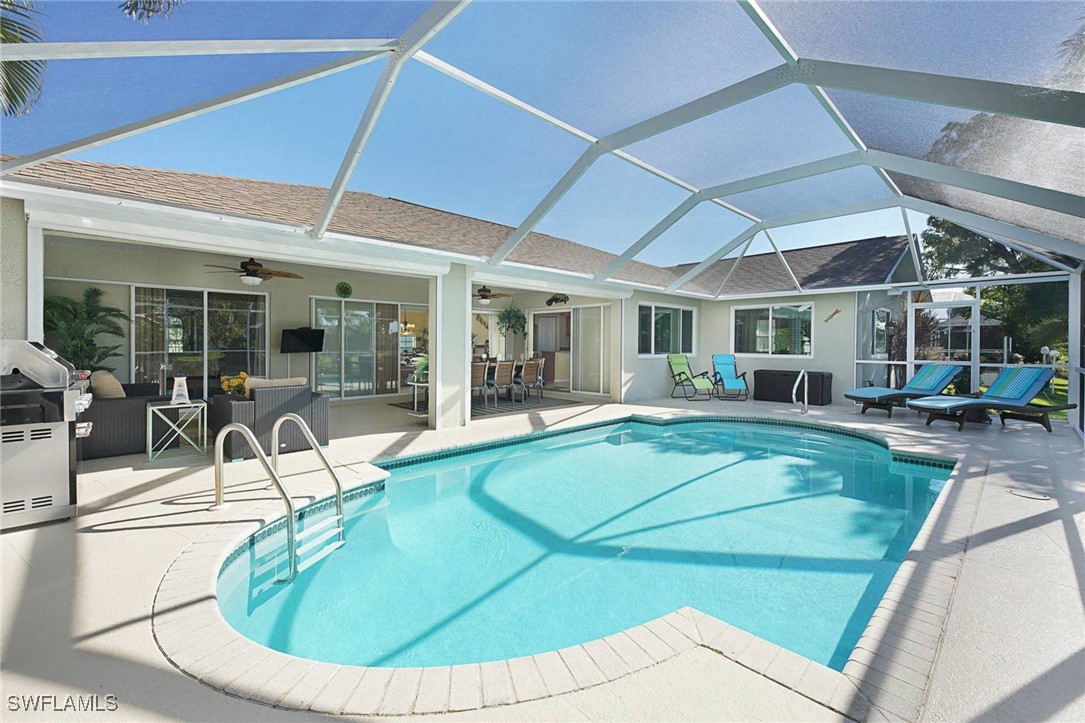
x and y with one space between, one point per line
189 430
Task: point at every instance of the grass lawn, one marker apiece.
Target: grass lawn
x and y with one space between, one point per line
1054 395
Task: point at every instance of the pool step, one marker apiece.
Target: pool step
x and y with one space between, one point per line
311 530
327 550
317 541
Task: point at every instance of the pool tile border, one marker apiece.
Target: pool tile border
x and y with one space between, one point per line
885 677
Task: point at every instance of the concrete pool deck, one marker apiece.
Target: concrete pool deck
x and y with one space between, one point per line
77 596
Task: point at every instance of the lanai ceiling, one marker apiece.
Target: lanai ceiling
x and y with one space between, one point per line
676 134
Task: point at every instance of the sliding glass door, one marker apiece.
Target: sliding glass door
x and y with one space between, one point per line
590 350
361 348
201 334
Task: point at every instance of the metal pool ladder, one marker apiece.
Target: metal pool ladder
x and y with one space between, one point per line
316 539
804 407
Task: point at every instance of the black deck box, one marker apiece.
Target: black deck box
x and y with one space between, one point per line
775 385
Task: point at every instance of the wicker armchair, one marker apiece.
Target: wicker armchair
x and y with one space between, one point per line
259 414
120 425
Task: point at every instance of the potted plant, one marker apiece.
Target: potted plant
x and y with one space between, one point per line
74 327
512 320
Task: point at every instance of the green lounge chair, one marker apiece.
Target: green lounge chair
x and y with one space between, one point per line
1009 395
693 386
729 383
931 379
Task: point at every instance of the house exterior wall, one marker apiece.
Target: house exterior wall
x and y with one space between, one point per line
648 377
833 340
12 269
125 264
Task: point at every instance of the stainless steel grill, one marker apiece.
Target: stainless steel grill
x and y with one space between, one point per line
41 396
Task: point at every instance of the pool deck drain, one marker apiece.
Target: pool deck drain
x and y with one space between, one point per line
885 677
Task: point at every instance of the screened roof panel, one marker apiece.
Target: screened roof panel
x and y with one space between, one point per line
440 143
80 20
72 106
760 269
838 188
611 206
230 142
774 131
1012 42
887 222
699 233
602 66
1018 149
1030 217
970 255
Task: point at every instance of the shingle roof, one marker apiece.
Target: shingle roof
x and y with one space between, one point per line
867 262
389 219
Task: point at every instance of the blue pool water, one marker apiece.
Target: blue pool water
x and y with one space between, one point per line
791 535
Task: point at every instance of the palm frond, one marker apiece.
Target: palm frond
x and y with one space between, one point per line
143 10
20 80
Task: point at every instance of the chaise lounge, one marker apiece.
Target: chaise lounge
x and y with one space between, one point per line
693 386
729 383
930 380
1010 395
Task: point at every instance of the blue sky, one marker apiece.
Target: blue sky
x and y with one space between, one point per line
442 144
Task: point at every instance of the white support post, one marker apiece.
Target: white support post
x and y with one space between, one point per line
189 111
787 267
431 22
773 35
553 196
735 94
731 271
653 233
163 48
1050 199
450 345
35 283
988 96
1076 348
714 257
913 246
1010 243
985 224
784 175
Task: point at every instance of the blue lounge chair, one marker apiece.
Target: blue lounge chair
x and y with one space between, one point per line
931 379
729 383
692 386
1009 395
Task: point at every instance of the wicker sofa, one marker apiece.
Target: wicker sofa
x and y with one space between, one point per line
259 414
120 425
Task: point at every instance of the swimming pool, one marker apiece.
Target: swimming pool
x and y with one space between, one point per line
790 534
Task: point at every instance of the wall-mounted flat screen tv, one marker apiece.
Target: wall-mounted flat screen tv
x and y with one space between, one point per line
303 340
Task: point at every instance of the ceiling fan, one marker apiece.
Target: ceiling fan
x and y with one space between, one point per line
252 272
485 294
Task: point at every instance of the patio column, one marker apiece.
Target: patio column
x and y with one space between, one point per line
449 323
13 269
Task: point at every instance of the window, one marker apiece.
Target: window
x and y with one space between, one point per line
879 343
171 336
664 330
775 330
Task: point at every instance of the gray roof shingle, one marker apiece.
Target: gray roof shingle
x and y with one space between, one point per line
389 219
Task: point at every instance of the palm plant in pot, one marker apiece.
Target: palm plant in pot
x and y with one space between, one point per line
74 325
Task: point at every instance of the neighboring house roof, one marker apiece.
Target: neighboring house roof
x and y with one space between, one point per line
389 219
867 262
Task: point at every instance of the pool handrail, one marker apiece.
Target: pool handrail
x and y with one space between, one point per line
315 446
804 406
291 513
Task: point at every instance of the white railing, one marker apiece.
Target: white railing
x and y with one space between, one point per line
804 406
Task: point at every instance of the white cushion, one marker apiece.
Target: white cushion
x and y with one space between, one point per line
256 382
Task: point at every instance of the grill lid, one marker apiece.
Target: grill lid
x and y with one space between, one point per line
24 364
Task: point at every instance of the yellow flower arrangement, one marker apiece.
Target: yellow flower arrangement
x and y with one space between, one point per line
234 385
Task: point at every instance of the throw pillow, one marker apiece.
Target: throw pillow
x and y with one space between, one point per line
256 382
105 386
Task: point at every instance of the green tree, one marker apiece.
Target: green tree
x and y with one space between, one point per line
73 327
1035 315
21 80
